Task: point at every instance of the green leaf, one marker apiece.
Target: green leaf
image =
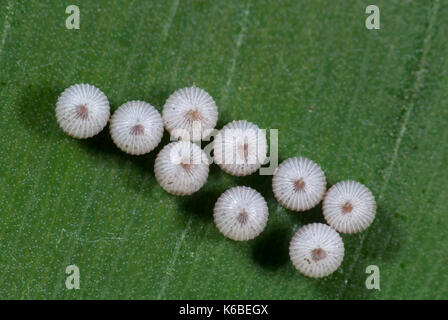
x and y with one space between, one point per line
368 105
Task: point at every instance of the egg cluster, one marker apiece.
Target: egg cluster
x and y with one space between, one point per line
181 168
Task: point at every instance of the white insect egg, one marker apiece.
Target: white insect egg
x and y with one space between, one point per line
190 114
298 184
349 207
181 168
240 148
136 127
82 111
241 213
316 250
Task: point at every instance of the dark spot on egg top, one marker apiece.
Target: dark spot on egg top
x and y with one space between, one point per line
347 207
243 217
318 254
299 185
137 130
194 115
81 112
